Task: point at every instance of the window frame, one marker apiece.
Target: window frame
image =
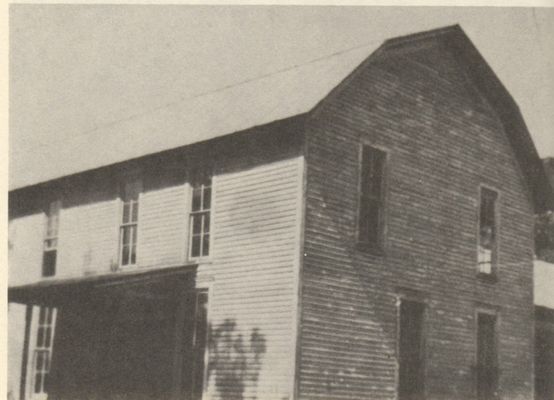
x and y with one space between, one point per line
493 274
123 225
378 247
51 235
42 395
192 214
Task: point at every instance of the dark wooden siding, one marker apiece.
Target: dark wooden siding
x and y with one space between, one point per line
443 141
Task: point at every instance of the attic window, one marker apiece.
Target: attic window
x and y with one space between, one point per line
50 250
371 215
486 254
130 192
199 245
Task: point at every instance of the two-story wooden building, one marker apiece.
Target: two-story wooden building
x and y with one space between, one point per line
362 230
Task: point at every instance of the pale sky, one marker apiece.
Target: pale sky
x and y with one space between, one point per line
77 68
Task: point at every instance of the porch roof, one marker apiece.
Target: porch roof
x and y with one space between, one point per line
60 290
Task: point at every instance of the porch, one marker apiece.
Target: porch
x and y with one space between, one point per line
121 336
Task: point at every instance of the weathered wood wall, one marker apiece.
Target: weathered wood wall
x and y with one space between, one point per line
443 141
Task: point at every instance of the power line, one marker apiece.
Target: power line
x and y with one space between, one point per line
98 129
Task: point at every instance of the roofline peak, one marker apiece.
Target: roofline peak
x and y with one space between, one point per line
455 29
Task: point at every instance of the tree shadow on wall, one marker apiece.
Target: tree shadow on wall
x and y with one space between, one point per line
235 362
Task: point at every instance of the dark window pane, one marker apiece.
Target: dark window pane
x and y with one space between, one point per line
49 263
377 174
366 172
195 246
206 245
39 361
46 385
206 222
364 221
126 212
196 199
125 255
373 222
133 254
40 337
133 234
487 229
38 383
126 230
42 315
135 206
49 312
207 198
196 223
46 361
371 181
48 337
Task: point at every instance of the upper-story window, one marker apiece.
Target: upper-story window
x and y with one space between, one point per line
371 213
129 222
199 245
486 253
51 239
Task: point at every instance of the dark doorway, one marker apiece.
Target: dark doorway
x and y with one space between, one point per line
411 376
487 376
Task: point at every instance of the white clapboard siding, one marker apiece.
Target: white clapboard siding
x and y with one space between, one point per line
88 239
162 226
16 341
255 256
252 272
25 236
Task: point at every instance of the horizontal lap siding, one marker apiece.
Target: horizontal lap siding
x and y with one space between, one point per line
163 226
25 236
16 342
88 239
254 267
443 141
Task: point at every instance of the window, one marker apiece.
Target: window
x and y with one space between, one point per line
129 222
370 225
411 356
51 239
200 215
487 232
487 372
43 350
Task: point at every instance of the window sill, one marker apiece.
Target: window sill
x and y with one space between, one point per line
370 249
485 277
199 260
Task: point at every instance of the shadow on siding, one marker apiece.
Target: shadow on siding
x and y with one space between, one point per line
235 362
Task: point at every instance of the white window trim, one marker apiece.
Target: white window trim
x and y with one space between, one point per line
495 252
121 224
210 211
49 237
31 373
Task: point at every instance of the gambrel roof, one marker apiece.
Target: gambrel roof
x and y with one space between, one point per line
280 95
